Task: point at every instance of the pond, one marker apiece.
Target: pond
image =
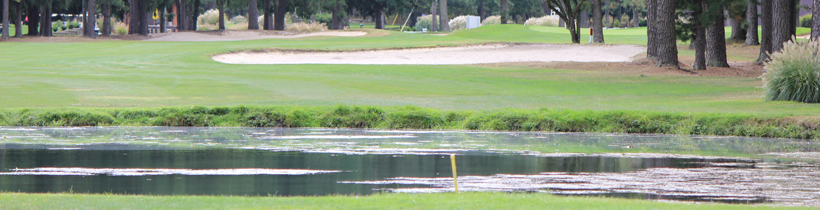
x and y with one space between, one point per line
290 162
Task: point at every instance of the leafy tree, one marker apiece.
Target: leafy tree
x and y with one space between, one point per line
568 11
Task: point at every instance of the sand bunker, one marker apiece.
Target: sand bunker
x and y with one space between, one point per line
496 53
247 35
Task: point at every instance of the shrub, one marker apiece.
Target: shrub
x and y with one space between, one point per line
616 24
239 19
56 25
325 18
306 27
458 23
73 25
549 20
210 17
492 20
120 28
793 74
425 22
805 21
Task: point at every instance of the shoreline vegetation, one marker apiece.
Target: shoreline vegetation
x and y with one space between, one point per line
467 200
412 117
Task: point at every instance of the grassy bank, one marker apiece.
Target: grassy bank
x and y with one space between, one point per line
379 201
409 117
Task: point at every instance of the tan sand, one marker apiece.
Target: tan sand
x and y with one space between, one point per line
497 53
247 35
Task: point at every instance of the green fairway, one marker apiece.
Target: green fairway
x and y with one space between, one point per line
155 74
381 201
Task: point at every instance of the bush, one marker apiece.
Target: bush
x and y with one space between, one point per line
306 27
325 18
805 21
492 20
793 74
210 17
120 28
56 25
616 24
239 19
549 20
73 25
425 22
458 23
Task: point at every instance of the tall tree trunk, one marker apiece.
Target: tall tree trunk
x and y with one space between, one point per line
334 16
85 15
597 24
700 37
765 31
162 21
505 12
444 20
279 15
607 23
481 11
815 20
379 16
18 23
738 33
221 7
651 31
584 19
667 47
135 14
253 15
33 15
106 27
90 14
781 18
182 16
267 19
6 26
196 12
145 17
45 20
434 12
716 41
636 20
751 17
794 17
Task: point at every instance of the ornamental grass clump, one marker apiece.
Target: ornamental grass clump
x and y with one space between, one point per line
549 21
458 23
425 22
492 20
793 74
306 27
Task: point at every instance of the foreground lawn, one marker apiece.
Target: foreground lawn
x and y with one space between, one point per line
381 201
157 74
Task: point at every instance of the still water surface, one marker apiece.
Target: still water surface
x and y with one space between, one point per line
204 161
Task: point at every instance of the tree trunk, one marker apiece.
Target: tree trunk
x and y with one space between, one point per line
253 15
162 21
18 23
90 14
193 25
794 17
700 37
135 16
597 24
751 17
106 27
505 12
45 20
584 19
221 7
443 19
145 17
6 26
667 47
33 15
266 16
607 23
85 15
279 15
716 41
781 18
433 20
815 20
652 39
636 20
182 17
481 11
379 16
765 31
335 19
738 33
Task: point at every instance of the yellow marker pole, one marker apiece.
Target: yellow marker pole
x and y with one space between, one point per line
394 21
455 174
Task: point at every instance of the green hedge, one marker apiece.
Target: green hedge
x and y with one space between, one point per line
410 117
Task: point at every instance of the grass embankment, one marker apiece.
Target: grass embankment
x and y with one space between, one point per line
408 117
379 201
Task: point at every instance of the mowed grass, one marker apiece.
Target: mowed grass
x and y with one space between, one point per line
378 201
158 74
